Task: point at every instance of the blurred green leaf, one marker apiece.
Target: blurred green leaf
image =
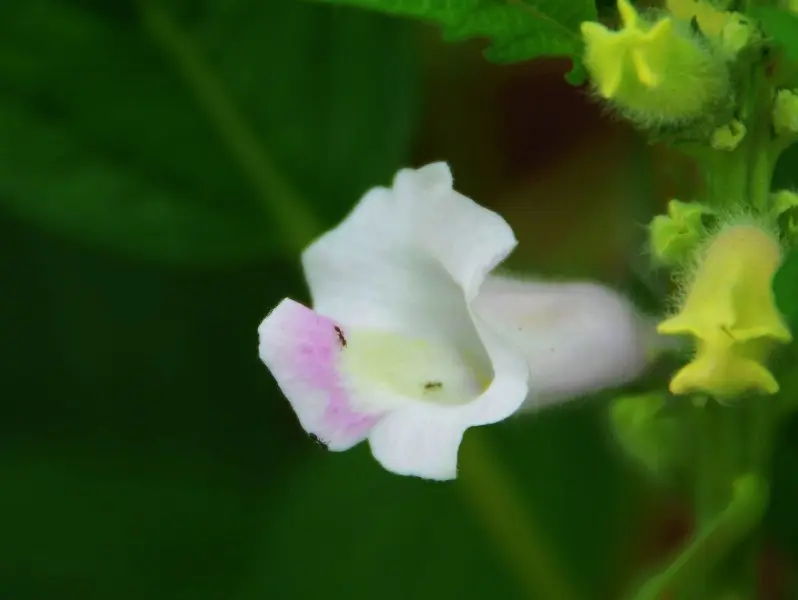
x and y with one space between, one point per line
51 177
343 523
103 139
377 534
141 438
780 520
786 169
79 523
785 288
519 30
780 25
590 502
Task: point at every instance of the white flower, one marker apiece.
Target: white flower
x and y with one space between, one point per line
393 351
579 337
408 345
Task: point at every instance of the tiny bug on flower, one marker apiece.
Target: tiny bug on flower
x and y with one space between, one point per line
318 441
340 335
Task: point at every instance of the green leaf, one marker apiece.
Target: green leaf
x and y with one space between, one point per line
52 178
83 523
518 30
785 288
357 527
781 520
200 148
780 25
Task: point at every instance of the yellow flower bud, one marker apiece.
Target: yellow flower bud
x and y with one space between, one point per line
656 72
728 137
675 236
730 310
737 33
785 112
710 19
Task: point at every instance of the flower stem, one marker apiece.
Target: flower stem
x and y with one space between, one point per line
282 204
512 526
712 541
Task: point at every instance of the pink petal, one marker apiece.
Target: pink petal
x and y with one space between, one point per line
302 348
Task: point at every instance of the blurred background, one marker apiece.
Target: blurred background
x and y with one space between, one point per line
154 158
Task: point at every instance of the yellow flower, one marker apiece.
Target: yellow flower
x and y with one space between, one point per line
730 310
657 72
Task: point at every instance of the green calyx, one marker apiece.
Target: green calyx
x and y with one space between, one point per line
784 210
674 237
728 137
648 431
785 113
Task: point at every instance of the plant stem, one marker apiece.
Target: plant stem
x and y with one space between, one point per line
282 203
712 542
494 497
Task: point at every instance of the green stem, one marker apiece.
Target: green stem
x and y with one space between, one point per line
761 155
713 540
281 203
508 521
716 465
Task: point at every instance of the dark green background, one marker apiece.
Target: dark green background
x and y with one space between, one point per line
144 450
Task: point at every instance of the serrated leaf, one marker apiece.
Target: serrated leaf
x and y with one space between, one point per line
785 288
780 25
104 139
518 30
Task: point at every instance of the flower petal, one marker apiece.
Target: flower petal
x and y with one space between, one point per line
577 337
301 349
416 442
406 258
423 439
506 393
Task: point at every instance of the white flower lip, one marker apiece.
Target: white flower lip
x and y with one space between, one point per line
408 260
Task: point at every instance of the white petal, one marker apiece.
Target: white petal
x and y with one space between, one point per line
578 337
302 350
424 439
417 442
509 388
408 259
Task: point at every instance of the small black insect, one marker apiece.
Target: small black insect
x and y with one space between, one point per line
433 385
318 441
340 335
